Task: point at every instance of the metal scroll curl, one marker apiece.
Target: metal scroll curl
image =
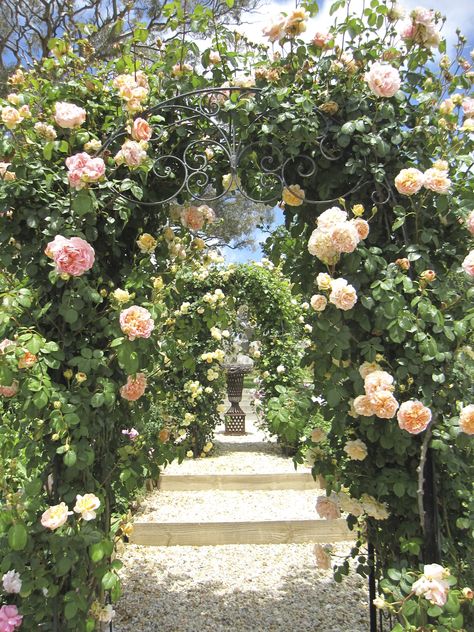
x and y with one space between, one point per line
208 143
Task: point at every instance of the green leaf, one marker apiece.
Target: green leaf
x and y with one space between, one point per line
96 552
70 458
70 610
17 537
399 489
109 580
40 400
82 203
434 611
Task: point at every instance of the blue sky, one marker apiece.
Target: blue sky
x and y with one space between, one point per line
458 13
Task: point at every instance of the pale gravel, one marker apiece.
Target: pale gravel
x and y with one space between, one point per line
235 588
258 588
215 506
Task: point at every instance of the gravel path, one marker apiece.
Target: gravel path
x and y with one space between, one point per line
235 588
264 588
214 506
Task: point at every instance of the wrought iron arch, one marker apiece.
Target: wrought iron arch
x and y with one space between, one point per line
197 136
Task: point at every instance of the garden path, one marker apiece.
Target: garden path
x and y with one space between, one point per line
236 587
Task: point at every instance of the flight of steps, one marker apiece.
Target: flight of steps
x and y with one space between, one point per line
226 499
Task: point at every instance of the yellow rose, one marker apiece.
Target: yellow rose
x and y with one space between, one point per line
293 195
146 243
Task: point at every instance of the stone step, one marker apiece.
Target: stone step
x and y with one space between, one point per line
248 532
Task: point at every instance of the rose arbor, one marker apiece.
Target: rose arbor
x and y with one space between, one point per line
90 157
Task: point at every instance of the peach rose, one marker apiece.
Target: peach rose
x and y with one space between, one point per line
466 419
134 388
214 57
330 218
321 40
434 590
321 246
68 115
141 130
319 302
383 79
86 506
362 227
55 516
356 450
343 295
403 264
71 256
470 222
293 195
409 181
323 559
344 237
317 435
276 31
373 507
327 508
295 23
366 368
192 217
436 180
446 107
468 264
413 416
136 322
11 117
9 391
378 381
131 153
83 169
384 404
27 360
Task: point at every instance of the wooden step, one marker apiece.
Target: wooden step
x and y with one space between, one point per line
261 532
250 482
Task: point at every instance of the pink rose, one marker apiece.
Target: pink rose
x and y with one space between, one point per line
10 619
468 107
319 302
383 80
409 181
134 388
433 590
131 433
413 416
9 391
343 295
71 256
468 264
470 222
68 115
136 322
83 169
327 508
55 516
321 40
5 344
141 130
131 153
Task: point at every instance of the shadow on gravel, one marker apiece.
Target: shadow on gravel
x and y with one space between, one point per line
160 604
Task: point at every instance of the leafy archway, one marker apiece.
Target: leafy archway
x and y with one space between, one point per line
203 304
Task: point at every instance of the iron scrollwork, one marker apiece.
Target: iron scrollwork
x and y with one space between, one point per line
203 149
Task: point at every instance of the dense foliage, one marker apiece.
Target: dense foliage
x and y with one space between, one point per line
96 272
